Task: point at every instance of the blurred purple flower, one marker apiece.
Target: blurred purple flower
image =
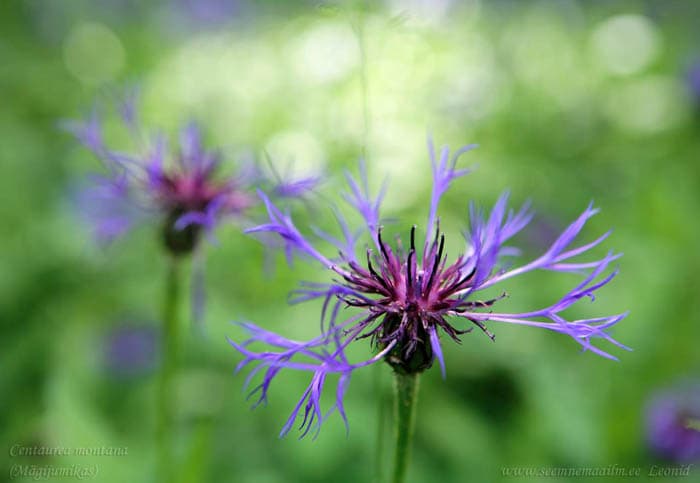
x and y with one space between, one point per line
672 420
693 80
182 189
130 350
408 298
188 17
207 12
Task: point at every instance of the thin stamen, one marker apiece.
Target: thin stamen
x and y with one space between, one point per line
382 247
436 263
374 273
486 331
409 269
485 303
463 280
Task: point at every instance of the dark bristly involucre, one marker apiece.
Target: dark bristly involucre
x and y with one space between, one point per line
408 296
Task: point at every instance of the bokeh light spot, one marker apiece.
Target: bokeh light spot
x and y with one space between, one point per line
298 148
325 53
648 105
625 44
93 53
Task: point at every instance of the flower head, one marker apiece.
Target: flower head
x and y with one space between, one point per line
130 350
410 295
673 424
183 188
693 81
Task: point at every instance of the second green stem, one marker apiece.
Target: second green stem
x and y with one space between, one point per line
169 351
406 386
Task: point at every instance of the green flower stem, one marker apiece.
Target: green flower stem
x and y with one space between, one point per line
381 395
406 386
169 350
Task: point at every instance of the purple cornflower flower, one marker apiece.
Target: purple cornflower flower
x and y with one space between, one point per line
409 296
673 424
693 81
206 13
130 350
183 190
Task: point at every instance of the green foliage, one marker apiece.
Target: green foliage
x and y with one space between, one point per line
557 120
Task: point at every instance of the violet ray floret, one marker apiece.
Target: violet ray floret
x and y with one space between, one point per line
406 297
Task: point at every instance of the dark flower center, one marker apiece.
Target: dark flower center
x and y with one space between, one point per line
409 298
181 194
188 192
194 191
180 241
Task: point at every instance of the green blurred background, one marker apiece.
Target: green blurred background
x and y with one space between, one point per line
569 102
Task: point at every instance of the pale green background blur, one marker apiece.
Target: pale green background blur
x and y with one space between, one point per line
569 102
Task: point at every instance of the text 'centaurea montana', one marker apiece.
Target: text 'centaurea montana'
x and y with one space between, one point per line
409 295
